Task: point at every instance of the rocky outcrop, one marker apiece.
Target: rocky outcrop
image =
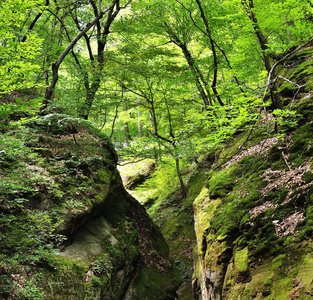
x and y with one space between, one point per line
211 257
134 180
77 233
172 213
253 217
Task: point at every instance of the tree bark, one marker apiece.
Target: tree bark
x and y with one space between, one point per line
207 28
208 34
249 7
206 97
197 75
97 69
32 25
126 127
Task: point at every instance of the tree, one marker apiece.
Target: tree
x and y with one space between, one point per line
70 46
175 57
96 67
249 8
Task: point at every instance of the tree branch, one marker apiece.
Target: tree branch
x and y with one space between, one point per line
32 25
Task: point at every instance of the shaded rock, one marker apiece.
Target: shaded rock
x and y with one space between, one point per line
74 201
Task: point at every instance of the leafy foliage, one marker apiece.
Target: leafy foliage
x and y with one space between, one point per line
18 66
173 81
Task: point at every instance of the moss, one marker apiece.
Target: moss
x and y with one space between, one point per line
196 183
197 263
301 148
262 238
232 216
277 277
285 268
305 110
237 274
241 260
274 154
303 68
204 209
260 284
66 279
68 184
217 253
263 266
152 284
278 262
174 217
283 211
221 183
281 195
307 177
305 273
176 224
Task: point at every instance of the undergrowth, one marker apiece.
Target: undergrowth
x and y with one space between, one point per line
39 180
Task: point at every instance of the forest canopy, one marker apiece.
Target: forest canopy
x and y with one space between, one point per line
178 76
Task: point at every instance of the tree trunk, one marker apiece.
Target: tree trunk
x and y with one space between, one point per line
140 129
90 97
181 182
249 7
197 75
205 21
206 98
126 128
55 67
101 43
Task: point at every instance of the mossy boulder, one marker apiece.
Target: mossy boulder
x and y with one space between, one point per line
69 229
138 177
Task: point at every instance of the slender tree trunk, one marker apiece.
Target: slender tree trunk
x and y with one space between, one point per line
50 90
197 75
151 123
205 21
208 34
126 127
127 134
181 182
101 43
55 67
206 98
90 97
249 7
114 120
32 25
140 129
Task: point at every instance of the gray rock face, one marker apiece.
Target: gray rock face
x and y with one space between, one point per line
214 280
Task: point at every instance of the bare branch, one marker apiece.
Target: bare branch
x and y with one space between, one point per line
285 58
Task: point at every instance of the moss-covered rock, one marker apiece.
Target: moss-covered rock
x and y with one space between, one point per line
254 214
69 230
174 216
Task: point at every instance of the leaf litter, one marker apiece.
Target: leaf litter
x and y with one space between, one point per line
275 180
